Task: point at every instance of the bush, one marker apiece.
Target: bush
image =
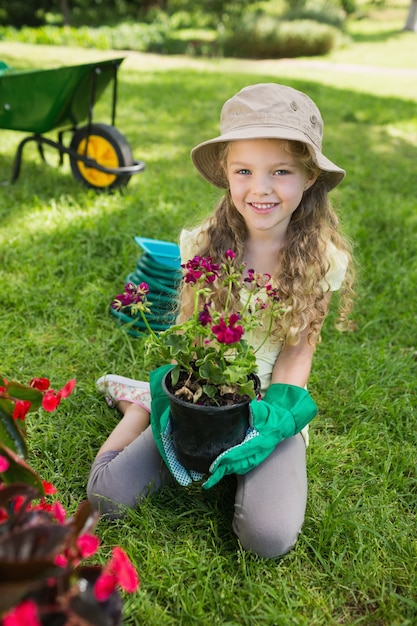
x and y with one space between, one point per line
125 36
254 36
266 37
187 41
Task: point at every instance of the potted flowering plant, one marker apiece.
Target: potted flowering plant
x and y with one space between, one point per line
212 350
214 359
42 579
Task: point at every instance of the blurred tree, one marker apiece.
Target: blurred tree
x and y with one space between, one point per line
411 21
218 9
24 12
65 12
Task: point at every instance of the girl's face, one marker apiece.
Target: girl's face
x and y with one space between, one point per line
266 184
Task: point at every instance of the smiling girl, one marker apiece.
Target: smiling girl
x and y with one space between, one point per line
276 217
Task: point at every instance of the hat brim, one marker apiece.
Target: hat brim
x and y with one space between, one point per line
205 156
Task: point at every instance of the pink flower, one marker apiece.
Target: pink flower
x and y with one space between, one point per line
60 560
119 571
4 464
24 614
230 255
59 512
87 545
104 586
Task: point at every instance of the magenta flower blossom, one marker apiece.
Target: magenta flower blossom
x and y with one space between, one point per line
132 295
259 280
204 316
226 330
200 269
273 293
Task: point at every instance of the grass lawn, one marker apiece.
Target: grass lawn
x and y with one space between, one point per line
64 254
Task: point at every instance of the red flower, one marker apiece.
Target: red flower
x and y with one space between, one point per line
24 614
118 571
50 400
67 389
21 409
42 384
48 488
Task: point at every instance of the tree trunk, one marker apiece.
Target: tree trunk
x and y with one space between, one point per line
65 12
411 23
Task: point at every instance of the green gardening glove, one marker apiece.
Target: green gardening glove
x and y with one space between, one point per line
284 411
161 429
159 406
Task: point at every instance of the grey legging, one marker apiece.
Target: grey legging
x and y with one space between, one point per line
270 500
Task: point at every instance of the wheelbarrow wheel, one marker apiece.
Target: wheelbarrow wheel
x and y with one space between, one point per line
109 148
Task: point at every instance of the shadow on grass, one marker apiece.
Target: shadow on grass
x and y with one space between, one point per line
379 37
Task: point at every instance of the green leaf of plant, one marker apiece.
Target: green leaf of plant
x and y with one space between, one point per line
210 390
248 389
11 434
19 471
211 372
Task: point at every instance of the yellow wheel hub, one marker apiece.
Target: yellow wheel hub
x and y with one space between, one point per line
101 150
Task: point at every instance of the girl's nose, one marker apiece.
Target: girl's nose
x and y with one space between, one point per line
262 185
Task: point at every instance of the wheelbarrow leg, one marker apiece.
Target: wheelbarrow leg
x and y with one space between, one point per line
40 149
18 156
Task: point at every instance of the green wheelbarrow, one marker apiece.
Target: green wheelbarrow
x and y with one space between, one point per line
39 101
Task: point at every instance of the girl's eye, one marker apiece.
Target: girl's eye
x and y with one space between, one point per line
244 171
281 172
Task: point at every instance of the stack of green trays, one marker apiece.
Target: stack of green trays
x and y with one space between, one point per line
158 267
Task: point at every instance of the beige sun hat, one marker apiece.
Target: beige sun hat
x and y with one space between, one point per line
266 111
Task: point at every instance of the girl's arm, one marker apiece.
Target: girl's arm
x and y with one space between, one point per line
293 364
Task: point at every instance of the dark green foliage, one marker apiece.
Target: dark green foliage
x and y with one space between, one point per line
20 12
267 37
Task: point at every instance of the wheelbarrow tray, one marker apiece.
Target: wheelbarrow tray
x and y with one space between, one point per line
38 101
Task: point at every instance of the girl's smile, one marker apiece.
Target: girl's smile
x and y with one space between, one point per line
266 183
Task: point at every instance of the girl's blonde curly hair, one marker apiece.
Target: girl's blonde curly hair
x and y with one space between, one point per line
302 263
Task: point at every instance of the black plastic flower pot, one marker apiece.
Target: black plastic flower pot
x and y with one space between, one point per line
200 433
